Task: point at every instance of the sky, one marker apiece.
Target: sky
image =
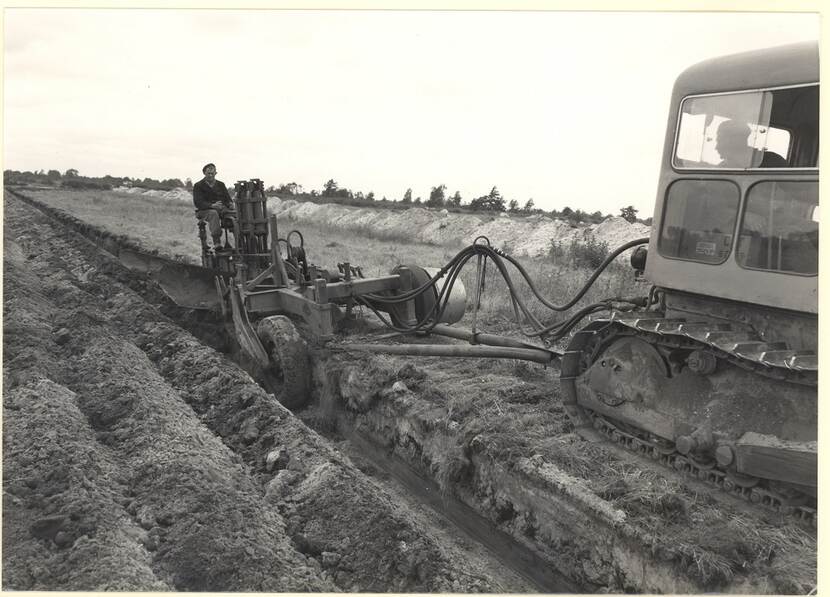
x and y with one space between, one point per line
566 108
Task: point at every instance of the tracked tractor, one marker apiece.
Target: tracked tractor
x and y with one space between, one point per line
717 377
712 372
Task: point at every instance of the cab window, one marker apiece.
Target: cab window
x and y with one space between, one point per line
699 220
750 130
779 230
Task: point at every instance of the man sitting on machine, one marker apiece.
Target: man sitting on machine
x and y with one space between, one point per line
213 203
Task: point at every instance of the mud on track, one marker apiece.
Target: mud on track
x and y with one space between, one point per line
135 457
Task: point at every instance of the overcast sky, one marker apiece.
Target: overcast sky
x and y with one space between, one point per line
566 108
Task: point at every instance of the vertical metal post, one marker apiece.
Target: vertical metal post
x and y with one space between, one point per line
278 269
320 293
409 314
347 276
481 263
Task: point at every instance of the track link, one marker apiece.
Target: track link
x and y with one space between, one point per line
710 475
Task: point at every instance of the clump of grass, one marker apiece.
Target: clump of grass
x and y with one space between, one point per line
450 464
392 236
633 489
588 254
557 283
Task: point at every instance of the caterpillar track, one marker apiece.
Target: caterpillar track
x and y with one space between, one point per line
711 400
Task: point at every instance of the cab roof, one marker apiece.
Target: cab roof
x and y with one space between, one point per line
770 67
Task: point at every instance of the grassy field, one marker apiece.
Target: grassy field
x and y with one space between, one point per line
170 227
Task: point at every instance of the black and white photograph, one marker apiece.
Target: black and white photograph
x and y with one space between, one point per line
410 300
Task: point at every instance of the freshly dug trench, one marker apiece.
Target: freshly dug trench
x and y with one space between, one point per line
137 458
495 435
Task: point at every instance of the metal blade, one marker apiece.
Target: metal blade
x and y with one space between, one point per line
188 285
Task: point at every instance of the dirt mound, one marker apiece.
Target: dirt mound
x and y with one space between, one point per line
178 194
521 235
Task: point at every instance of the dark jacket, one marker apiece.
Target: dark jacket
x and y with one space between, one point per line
204 195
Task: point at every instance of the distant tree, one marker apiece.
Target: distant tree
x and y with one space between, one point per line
513 206
493 201
417 201
370 196
490 202
407 197
71 173
53 175
315 193
578 216
486 203
291 188
330 188
528 206
597 217
455 200
566 212
359 195
629 214
436 196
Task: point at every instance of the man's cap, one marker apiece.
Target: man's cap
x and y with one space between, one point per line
206 166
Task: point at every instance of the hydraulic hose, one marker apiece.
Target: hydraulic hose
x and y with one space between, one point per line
452 270
606 262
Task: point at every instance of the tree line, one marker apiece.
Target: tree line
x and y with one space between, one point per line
492 202
331 192
72 179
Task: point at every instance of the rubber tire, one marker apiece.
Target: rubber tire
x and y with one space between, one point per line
289 359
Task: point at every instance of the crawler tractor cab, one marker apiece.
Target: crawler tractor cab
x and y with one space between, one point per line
718 376
743 228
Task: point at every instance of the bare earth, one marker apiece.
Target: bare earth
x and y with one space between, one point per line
138 457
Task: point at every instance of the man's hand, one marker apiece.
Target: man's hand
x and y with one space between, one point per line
224 210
